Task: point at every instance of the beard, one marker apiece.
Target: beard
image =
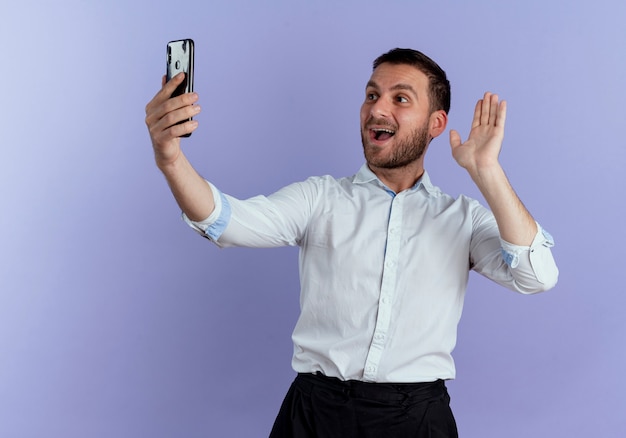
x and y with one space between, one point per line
405 151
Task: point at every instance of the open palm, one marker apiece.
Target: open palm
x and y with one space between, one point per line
485 139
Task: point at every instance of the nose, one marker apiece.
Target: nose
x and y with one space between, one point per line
380 108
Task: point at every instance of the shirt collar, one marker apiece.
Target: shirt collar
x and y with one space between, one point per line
365 175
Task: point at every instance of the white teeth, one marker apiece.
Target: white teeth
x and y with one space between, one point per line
389 131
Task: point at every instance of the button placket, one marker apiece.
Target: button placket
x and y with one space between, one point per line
388 283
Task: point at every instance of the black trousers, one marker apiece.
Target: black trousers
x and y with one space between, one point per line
317 406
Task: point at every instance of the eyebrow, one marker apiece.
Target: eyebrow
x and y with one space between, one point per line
396 87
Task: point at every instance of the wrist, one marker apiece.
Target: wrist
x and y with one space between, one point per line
168 163
486 172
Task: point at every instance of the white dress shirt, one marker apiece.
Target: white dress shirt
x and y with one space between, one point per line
383 275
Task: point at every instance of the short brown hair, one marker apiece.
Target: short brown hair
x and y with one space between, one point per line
438 84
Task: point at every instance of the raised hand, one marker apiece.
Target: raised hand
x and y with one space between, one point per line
162 115
479 156
483 145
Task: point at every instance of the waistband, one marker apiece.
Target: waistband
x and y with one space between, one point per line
391 392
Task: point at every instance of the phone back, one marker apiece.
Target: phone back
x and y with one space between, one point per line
180 59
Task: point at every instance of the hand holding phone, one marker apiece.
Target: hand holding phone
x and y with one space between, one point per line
180 56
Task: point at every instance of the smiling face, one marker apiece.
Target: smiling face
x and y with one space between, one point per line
396 121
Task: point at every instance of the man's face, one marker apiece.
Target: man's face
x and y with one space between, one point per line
395 116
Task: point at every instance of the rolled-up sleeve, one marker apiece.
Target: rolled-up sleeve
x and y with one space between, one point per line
524 269
213 226
270 221
532 267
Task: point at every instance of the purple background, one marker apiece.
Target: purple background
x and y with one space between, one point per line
116 320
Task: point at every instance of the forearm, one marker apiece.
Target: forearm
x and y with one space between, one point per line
169 118
192 193
515 223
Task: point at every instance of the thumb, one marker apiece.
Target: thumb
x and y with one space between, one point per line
455 138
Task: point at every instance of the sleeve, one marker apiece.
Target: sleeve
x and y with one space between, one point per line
279 219
213 226
524 269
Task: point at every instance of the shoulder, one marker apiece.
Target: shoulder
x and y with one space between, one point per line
459 204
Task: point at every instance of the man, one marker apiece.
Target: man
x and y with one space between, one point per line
385 255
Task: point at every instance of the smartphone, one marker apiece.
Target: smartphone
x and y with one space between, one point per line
180 59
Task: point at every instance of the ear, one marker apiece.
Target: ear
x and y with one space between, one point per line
437 123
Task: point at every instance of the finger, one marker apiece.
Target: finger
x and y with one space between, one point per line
455 138
477 112
493 109
167 88
170 86
173 133
184 100
486 109
183 128
173 118
501 114
167 108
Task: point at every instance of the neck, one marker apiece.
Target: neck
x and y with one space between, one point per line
401 178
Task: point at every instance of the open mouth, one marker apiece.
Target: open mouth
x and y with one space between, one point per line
382 134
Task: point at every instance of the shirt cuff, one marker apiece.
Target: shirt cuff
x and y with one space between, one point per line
511 253
213 226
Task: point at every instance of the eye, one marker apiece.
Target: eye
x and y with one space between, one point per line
402 99
371 96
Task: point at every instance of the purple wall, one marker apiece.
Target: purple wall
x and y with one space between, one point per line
117 320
